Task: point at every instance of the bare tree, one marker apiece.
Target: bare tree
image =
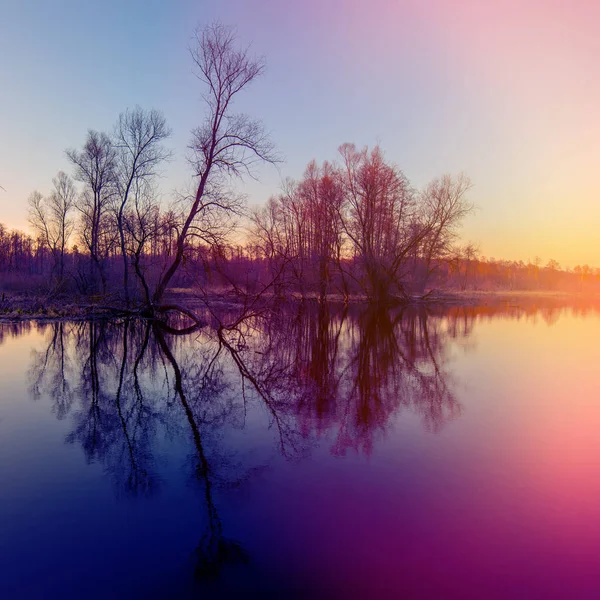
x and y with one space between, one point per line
143 226
50 218
302 224
272 244
39 218
226 145
62 201
321 193
443 208
138 141
379 217
95 167
465 258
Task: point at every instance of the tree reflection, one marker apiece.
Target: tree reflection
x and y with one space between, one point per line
52 372
352 372
214 550
317 372
92 371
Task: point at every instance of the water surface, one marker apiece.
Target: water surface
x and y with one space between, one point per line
310 452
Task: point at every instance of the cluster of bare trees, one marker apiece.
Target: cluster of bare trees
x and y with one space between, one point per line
19 253
117 174
359 226
356 226
114 202
116 212
51 218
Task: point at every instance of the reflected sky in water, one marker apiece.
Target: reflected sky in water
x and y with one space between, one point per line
310 451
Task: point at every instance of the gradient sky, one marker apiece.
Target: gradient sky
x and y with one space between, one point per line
507 91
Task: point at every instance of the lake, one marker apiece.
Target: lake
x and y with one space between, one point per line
308 451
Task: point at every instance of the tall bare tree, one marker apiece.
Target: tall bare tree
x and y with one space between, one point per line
270 242
321 193
51 219
95 167
226 145
378 216
139 150
443 206
62 202
302 224
144 228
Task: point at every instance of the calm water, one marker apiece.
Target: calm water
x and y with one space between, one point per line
314 453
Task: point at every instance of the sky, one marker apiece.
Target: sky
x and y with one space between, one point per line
505 91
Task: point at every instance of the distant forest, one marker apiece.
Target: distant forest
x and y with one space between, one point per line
29 264
353 227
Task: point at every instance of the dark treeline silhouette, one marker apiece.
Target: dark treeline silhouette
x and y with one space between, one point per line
29 264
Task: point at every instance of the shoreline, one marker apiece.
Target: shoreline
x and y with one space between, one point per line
18 307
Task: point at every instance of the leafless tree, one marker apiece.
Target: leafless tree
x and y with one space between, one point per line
62 202
143 227
443 207
379 217
38 217
138 142
321 193
226 145
50 218
95 167
302 226
464 260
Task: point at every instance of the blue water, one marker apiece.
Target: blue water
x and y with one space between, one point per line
308 453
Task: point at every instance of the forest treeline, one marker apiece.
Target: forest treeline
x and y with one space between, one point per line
353 227
28 264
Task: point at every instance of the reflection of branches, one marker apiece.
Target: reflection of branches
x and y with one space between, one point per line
353 372
316 370
263 383
112 424
96 422
397 362
376 387
214 551
434 399
50 372
120 372
138 478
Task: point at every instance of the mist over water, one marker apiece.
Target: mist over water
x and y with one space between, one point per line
306 451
